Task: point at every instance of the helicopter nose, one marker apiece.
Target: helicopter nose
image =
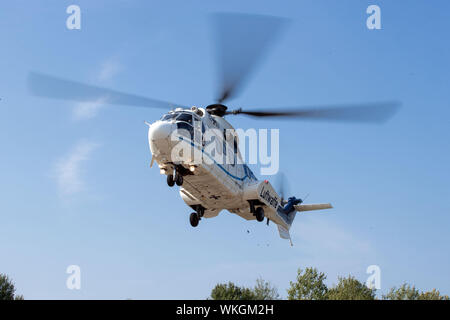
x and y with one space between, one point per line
159 138
160 131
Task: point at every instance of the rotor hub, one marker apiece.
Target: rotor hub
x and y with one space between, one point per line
217 109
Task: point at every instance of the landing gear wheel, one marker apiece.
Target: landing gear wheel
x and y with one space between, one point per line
259 214
170 180
178 179
194 219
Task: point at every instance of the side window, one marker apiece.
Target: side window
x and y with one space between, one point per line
234 152
224 142
202 138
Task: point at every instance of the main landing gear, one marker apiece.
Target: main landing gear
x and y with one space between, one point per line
258 213
195 217
177 179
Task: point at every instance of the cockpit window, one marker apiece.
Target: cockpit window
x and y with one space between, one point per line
169 116
186 117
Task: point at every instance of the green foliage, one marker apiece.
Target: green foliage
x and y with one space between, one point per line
308 286
433 295
408 292
229 291
263 290
7 289
404 292
350 289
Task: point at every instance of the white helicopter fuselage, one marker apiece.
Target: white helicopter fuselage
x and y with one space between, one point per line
210 186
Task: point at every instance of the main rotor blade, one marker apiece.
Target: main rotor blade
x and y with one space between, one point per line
368 112
241 42
52 87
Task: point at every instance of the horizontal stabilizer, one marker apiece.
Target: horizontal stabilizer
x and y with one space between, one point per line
310 207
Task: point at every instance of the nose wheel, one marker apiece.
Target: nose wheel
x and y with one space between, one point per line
177 179
170 180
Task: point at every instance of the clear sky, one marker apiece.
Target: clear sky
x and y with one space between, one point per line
75 182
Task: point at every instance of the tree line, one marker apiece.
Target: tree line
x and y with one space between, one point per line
310 285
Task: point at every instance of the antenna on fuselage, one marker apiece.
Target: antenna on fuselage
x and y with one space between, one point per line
306 197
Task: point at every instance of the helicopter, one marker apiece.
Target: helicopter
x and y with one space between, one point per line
210 185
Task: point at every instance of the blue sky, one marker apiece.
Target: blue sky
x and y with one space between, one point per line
76 187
